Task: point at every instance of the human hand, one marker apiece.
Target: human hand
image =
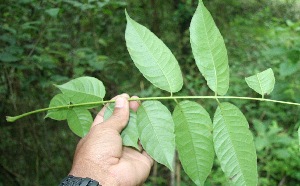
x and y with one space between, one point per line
101 156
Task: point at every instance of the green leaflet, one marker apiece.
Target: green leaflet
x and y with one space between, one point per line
79 121
193 131
130 135
263 82
209 50
58 100
156 130
152 57
234 145
83 89
80 90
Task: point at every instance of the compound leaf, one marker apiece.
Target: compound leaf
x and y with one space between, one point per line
130 134
194 142
83 89
209 50
156 130
263 82
58 114
152 57
234 145
79 121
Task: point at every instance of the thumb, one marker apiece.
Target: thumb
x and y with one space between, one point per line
120 115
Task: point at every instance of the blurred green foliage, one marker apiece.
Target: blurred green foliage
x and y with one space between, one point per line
49 42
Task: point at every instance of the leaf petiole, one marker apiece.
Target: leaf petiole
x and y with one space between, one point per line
14 118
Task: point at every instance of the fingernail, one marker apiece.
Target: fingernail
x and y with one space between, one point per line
125 95
120 102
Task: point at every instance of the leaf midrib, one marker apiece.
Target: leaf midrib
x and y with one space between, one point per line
188 126
260 85
232 143
210 48
151 125
151 54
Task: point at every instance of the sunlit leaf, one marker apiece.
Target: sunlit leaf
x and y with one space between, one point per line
209 50
193 137
234 145
130 135
79 121
58 114
83 89
263 82
156 130
152 57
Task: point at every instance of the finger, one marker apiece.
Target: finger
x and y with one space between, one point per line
120 115
100 116
151 161
138 157
134 105
140 146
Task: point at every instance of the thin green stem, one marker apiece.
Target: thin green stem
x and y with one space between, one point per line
14 118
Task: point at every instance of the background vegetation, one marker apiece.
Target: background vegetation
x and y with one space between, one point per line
49 42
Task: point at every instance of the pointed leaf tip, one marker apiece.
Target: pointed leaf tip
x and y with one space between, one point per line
152 57
126 14
209 50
